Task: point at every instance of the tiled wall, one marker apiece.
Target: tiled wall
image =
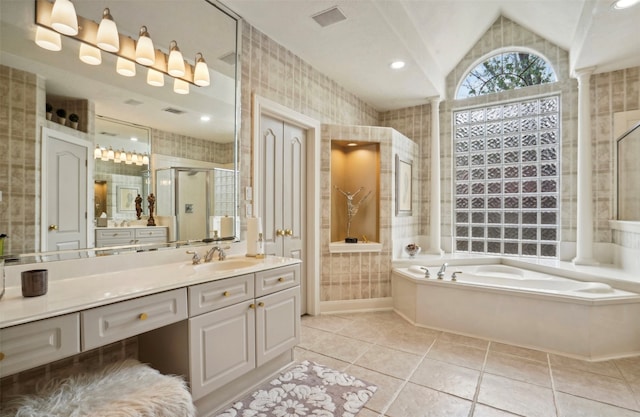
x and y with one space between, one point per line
181 146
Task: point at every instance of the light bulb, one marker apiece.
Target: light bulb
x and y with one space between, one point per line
110 153
155 78
145 159
123 156
107 37
180 86
116 157
90 54
145 54
48 39
175 65
97 153
125 67
105 155
64 18
201 72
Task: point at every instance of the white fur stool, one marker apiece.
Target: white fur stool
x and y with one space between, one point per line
126 388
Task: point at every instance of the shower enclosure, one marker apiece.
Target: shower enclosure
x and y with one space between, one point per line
198 199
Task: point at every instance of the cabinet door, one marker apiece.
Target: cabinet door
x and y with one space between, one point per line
222 347
277 324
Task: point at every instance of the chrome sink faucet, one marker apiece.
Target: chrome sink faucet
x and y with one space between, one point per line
442 269
209 255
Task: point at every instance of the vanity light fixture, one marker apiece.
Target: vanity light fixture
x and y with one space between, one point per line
155 78
145 54
180 86
116 156
108 38
54 19
125 67
145 159
201 72
624 4
120 156
48 39
64 18
90 54
175 65
123 156
97 152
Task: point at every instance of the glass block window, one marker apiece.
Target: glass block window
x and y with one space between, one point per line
503 72
507 178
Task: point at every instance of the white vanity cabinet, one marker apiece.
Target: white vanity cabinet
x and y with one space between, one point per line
120 236
233 329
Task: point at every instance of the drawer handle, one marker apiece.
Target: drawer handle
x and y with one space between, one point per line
143 316
1 356
281 279
226 293
260 304
252 306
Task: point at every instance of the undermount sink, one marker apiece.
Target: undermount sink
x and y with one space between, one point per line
226 265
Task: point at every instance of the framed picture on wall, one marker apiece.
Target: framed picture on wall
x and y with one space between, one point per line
126 198
404 178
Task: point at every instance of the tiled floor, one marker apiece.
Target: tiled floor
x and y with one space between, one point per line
423 373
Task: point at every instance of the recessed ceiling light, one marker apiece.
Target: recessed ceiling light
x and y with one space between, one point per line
134 139
624 4
205 118
397 64
352 144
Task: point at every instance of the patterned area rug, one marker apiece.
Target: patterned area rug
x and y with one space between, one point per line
305 389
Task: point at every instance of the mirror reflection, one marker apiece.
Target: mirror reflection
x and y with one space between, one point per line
194 130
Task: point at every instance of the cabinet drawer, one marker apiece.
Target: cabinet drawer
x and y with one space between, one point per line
277 279
217 294
152 233
113 322
28 345
123 234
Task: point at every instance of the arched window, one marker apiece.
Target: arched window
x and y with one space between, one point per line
506 71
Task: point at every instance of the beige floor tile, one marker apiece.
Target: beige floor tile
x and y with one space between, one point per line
310 336
607 368
365 412
482 410
412 340
516 396
302 355
518 368
361 330
389 361
464 340
571 406
534 355
418 401
596 387
629 367
456 354
340 347
388 387
442 376
327 322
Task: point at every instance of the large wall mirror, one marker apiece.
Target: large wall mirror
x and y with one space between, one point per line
172 130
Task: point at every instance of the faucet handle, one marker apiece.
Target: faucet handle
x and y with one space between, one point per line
196 258
426 272
454 276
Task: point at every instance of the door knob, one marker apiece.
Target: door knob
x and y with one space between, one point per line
288 232
53 227
280 232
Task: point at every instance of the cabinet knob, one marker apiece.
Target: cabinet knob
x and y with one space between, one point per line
143 316
53 227
252 306
260 304
1 356
226 293
281 279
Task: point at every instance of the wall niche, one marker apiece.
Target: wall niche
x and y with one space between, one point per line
355 184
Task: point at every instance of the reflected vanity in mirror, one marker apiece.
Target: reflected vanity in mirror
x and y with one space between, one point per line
195 130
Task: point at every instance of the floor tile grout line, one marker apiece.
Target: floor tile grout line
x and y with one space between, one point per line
476 394
554 392
629 386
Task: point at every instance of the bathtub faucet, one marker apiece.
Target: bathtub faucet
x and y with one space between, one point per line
426 272
442 269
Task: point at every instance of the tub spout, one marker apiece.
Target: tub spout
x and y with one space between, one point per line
442 269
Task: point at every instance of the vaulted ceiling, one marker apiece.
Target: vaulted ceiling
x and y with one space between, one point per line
432 36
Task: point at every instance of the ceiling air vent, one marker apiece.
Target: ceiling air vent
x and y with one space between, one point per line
133 102
329 17
173 110
229 58
108 134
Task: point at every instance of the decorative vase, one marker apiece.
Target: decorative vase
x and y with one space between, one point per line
412 250
62 121
74 125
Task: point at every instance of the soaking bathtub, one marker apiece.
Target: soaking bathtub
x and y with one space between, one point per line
583 319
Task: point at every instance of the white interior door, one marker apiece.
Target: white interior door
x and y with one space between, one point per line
65 192
282 187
